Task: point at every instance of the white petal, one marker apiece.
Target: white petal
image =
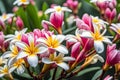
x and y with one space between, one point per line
20 69
68 59
86 34
12 69
42 40
99 47
21 45
106 40
1 75
49 10
62 49
47 60
66 9
7 54
63 65
33 60
22 55
60 38
96 58
42 49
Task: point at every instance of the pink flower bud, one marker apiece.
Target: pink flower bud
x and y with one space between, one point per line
1 39
110 15
57 20
19 23
102 6
10 21
15 9
2 25
75 50
113 55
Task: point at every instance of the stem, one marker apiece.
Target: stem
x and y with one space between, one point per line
11 77
30 73
53 77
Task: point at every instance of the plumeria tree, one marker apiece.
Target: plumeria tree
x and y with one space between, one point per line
60 41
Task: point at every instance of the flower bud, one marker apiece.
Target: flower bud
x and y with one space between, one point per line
19 23
2 25
110 14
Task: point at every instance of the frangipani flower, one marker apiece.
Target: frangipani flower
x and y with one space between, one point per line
12 54
31 50
5 71
58 60
54 42
98 38
94 58
16 37
98 22
21 2
116 28
5 16
57 9
18 65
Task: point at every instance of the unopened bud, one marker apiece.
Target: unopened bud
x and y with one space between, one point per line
19 23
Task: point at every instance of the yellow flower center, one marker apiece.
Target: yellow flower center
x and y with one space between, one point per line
58 9
5 70
18 62
118 31
4 16
15 51
23 0
97 36
95 20
31 49
18 37
52 42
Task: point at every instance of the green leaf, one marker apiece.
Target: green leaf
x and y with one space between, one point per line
87 70
44 6
32 15
22 13
97 74
69 30
2 7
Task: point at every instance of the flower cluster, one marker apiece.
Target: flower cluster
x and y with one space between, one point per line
47 40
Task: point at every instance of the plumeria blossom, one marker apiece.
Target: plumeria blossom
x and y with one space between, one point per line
30 50
12 54
5 16
94 58
57 9
54 42
98 22
59 60
98 38
18 65
5 71
21 2
16 37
